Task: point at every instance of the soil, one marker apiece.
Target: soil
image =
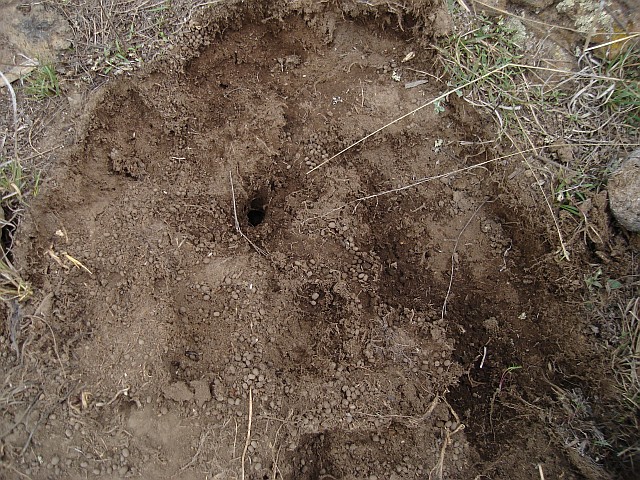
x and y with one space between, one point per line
205 301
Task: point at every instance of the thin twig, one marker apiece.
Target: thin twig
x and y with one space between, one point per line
45 415
248 440
453 259
22 418
409 419
540 471
55 344
124 391
203 438
275 469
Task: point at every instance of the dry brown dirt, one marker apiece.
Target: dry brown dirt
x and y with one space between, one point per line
193 278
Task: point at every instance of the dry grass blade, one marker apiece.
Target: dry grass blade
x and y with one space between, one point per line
194 459
248 439
565 252
14 107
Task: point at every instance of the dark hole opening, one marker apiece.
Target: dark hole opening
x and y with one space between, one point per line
256 212
256 216
6 234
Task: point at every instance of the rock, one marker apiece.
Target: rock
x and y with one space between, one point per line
624 193
585 15
31 29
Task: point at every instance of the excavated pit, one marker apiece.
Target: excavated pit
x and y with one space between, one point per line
338 317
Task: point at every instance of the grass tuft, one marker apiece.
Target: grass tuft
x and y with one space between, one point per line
484 48
626 364
43 82
625 98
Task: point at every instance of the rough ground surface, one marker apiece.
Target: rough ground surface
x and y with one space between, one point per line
360 339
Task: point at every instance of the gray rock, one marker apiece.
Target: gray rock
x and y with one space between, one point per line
624 193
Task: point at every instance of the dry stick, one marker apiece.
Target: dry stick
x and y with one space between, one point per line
484 356
45 415
124 391
24 415
444 95
275 469
121 44
237 223
248 440
14 105
409 418
592 32
540 471
453 261
463 4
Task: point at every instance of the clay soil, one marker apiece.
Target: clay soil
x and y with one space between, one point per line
207 308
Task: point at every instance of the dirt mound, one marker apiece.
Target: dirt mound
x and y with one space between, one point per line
220 311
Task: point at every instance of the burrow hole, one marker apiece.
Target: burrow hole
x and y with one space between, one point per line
257 211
